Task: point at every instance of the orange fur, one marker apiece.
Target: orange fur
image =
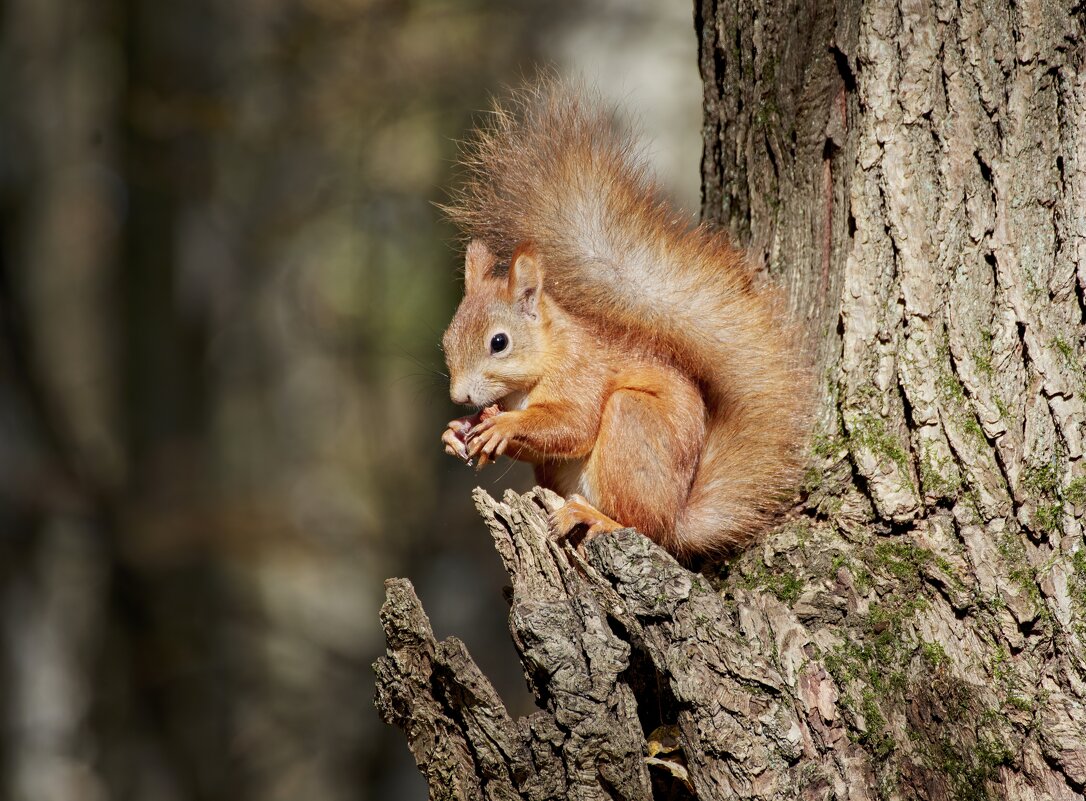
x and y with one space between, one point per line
656 377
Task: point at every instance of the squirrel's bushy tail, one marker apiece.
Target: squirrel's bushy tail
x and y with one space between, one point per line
552 168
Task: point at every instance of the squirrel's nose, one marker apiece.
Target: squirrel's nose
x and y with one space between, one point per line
459 396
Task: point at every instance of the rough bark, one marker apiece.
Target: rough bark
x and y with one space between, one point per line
915 174
614 644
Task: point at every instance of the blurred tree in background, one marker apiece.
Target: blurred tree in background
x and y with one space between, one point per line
222 285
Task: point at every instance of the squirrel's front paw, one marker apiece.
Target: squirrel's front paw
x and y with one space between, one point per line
453 439
491 437
456 433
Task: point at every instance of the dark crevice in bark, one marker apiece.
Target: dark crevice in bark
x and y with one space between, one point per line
1012 9
1020 328
941 66
911 427
897 528
699 22
656 704
1080 293
985 173
1056 767
1003 472
844 69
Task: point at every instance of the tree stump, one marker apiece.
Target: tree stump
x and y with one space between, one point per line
825 663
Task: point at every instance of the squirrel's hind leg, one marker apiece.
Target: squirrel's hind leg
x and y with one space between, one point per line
651 434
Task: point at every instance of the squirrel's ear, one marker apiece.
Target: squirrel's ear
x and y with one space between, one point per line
525 280
478 262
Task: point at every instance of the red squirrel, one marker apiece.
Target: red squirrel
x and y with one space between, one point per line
630 356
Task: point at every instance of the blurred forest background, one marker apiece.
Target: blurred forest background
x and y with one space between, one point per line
222 287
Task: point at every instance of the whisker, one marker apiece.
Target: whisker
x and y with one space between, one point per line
512 464
419 363
429 378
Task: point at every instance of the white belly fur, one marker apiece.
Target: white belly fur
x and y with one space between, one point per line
517 401
570 477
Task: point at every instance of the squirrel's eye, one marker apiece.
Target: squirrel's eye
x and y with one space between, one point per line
498 343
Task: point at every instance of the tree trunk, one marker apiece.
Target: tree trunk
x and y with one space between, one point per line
915 173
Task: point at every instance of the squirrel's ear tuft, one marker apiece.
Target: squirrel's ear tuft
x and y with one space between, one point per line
525 280
478 262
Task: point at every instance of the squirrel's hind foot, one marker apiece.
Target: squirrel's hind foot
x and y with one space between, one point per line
576 512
